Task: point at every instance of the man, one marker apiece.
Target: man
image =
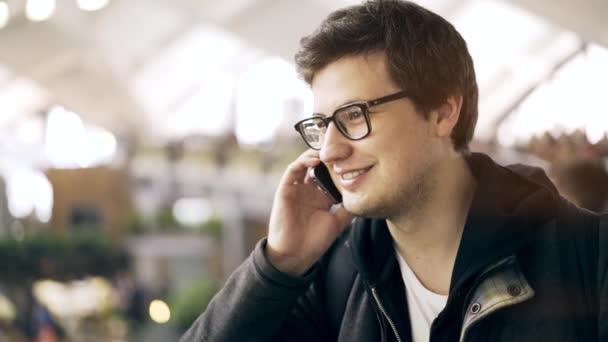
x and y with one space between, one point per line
442 245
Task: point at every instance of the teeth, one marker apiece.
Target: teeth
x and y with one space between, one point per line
351 175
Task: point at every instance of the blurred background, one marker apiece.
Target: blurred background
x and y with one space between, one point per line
141 141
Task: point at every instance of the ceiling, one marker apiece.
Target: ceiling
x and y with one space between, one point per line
157 69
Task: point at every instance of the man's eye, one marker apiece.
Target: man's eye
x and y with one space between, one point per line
355 114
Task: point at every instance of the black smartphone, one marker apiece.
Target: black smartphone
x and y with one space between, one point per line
320 175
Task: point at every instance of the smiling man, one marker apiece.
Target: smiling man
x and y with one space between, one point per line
431 242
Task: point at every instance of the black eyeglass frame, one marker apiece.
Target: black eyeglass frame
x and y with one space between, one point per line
363 105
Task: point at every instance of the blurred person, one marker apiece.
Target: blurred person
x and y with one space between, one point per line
131 301
37 322
584 182
431 242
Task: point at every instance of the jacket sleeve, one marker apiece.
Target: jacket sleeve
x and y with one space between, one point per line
603 278
260 303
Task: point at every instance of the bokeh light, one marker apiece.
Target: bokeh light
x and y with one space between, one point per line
29 191
159 311
39 10
5 14
92 5
192 211
69 143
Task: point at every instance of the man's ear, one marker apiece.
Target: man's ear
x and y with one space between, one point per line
447 116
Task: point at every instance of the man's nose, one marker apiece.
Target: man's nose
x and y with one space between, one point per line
335 146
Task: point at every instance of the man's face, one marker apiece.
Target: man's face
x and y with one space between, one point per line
390 172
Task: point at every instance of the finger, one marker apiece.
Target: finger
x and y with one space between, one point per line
296 171
308 154
322 200
309 179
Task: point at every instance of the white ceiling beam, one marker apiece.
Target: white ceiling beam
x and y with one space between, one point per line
587 18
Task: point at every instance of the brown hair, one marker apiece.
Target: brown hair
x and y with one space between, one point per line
426 56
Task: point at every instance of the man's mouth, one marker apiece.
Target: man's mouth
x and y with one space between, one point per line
351 179
353 174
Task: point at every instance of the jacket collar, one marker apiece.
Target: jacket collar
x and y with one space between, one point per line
372 249
507 206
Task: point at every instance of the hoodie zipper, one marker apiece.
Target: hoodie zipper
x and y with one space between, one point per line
381 307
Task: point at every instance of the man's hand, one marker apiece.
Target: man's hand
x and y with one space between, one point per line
302 228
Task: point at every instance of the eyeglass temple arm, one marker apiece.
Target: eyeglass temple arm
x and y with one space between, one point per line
387 98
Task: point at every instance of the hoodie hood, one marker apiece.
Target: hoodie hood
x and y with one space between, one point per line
508 204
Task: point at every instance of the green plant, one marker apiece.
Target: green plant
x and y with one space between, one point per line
166 219
59 257
213 227
190 303
135 224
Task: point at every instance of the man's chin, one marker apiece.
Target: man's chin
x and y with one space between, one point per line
356 206
351 207
366 207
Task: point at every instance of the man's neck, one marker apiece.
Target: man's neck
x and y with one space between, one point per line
428 239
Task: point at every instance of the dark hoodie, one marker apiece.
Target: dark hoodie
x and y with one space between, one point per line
530 266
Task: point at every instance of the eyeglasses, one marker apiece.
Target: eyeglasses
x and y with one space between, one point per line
352 120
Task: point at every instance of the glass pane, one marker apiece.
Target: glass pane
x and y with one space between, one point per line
313 130
352 121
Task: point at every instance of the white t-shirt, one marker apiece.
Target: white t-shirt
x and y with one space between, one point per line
423 305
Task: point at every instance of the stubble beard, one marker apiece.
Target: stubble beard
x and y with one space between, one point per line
407 201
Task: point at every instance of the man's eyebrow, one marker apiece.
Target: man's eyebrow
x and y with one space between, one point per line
346 103
351 101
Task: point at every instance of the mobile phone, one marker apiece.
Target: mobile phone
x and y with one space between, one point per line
320 175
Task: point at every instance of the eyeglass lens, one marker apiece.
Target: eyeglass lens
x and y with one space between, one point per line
350 120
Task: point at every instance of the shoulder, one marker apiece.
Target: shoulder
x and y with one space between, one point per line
580 232
572 217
